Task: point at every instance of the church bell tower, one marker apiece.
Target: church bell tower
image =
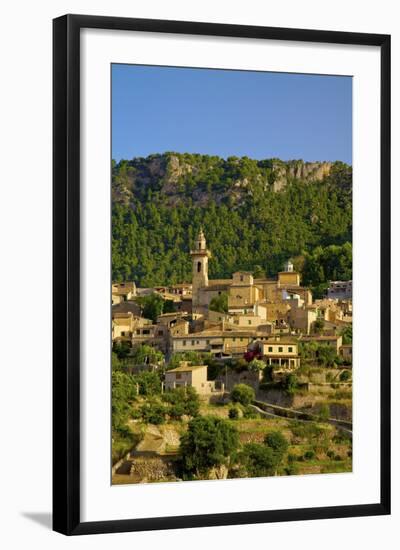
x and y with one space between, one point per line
200 256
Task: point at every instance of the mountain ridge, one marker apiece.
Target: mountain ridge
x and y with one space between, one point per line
178 177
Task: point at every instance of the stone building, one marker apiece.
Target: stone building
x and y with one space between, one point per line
341 290
187 375
280 353
123 292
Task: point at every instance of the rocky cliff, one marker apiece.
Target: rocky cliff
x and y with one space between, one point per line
179 177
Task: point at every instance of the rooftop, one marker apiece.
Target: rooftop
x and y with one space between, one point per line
320 337
187 368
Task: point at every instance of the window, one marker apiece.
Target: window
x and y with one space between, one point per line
160 333
146 331
290 350
249 321
198 267
178 376
122 333
270 349
280 350
184 342
241 277
233 339
192 342
207 342
236 322
138 331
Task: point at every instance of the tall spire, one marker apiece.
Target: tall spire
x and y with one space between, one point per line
201 243
200 256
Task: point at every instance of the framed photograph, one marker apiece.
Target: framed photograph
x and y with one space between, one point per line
221 274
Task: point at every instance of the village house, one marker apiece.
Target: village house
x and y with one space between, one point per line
215 341
194 376
124 324
170 319
341 290
121 292
153 335
241 320
281 353
182 289
299 316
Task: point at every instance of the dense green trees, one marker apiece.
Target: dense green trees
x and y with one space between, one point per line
319 354
123 393
182 401
153 305
252 227
264 459
209 442
144 354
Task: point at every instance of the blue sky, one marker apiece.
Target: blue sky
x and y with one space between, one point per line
257 114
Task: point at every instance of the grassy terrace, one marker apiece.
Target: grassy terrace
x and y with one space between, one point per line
314 447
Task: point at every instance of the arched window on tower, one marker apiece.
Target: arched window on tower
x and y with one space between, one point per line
198 267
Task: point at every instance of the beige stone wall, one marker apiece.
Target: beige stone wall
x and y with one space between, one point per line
176 379
196 378
302 319
277 311
199 376
242 296
288 278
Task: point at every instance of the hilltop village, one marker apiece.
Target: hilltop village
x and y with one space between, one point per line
234 318
240 348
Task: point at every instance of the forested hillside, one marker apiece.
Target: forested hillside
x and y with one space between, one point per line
255 215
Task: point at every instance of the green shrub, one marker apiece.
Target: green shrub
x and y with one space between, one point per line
309 455
258 460
153 412
345 375
256 365
182 401
243 394
233 413
290 383
249 413
277 442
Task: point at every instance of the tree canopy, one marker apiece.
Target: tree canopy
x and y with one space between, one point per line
209 442
247 224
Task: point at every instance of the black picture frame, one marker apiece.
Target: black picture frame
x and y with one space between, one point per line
66 273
